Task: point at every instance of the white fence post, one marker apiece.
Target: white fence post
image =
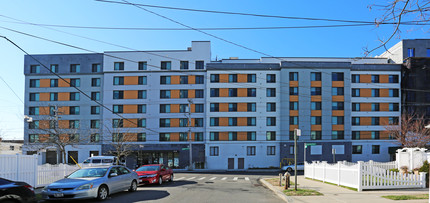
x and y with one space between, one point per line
360 176
338 172
324 163
18 168
35 169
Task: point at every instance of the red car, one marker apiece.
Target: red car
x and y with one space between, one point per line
154 173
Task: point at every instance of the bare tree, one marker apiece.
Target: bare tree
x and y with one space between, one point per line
411 131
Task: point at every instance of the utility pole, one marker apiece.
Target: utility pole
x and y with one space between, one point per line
190 101
297 132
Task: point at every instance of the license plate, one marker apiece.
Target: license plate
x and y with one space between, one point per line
58 195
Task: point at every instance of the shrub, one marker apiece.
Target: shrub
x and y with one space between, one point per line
425 168
394 170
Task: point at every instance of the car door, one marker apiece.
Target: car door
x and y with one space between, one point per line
114 182
163 172
125 178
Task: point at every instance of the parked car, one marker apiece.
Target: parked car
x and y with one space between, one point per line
154 173
16 192
101 160
92 182
290 168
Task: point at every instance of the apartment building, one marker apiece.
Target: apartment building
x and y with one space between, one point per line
240 113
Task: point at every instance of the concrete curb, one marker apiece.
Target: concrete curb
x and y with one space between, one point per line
276 191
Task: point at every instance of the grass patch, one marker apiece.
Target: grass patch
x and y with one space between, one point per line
346 187
302 192
275 182
406 197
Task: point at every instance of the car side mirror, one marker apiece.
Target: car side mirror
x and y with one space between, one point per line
113 175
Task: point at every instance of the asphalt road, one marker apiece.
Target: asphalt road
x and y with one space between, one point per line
197 187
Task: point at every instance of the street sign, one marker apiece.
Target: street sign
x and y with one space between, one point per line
185 148
298 132
310 144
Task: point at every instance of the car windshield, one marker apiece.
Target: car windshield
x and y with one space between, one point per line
148 168
88 173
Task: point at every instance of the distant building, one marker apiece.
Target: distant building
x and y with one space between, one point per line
11 146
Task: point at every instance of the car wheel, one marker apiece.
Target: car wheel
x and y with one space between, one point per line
160 180
289 169
133 186
171 178
102 193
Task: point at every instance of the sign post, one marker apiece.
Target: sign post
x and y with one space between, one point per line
297 132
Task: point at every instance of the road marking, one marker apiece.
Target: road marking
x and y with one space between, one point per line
202 178
191 178
246 178
180 178
213 178
235 178
224 178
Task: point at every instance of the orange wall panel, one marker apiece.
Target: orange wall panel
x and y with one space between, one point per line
294 83
44 110
242 136
63 124
174 94
174 122
337 84
292 127
316 113
294 113
316 127
130 137
130 108
62 83
365 121
365 78
223 78
223 136
242 92
223 121
130 123
242 78
63 96
45 83
365 107
130 94
384 93
316 84
242 121
242 107
384 135
223 107
294 98
337 98
365 92
44 96
131 80
383 78
383 120
223 92
337 127
174 137
174 79
315 98
384 107
174 108
191 79
337 113
63 110
365 135
43 138
191 93
44 124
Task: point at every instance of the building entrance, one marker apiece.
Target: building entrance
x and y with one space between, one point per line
168 158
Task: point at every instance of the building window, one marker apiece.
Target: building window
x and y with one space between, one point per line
141 108
118 65
315 76
199 94
117 94
95 82
355 92
251 107
393 107
315 91
166 65
164 80
251 136
316 135
95 110
96 68
316 105
337 106
53 96
375 120
337 91
35 69
117 123
164 94
294 76
291 135
355 106
74 124
375 149
337 120
141 137
183 136
271 107
198 122
336 76
183 122
294 105
198 136
375 106
95 96
355 135
375 78
393 120
183 94
74 110
95 124
214 78
252 92
251 121
232 136
74 96
232 78
355 121
75 68
393 78
316 120
33 110
411 52
164 137
200 65
232 121
142 65
35 82
54 68
74 137
357 149
141 80
271 121
164 122
232 107
232 92
183 65
294 120
271 150
95 137
199 108
33 125
183 79
294 91
200 79
252 78
164 108
34 96
270 78
141 122
355 78
214 107
118 108
214 121
393 92
250 150
141 94
118 80
271 135
214 92
337 135
117 137
75 82
214 136
375 92
214 151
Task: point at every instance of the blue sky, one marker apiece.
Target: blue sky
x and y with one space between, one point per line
321 42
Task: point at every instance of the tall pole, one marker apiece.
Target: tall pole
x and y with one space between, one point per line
304 148
295 159
189 135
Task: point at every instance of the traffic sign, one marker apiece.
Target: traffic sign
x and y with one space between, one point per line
185 148
310 144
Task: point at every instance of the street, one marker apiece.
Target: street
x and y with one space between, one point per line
198 187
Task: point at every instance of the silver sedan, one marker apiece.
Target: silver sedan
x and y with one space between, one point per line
95 182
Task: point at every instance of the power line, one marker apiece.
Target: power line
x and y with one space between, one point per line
11 88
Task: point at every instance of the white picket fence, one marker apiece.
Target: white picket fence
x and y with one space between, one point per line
363 175
24 168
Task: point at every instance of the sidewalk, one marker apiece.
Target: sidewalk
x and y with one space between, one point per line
338 194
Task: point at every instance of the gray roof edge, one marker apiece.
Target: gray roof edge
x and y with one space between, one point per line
242 66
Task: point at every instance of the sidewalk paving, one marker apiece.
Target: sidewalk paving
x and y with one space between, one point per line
338 194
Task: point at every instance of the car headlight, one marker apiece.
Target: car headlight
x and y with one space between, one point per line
150 176
85 187
45 189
